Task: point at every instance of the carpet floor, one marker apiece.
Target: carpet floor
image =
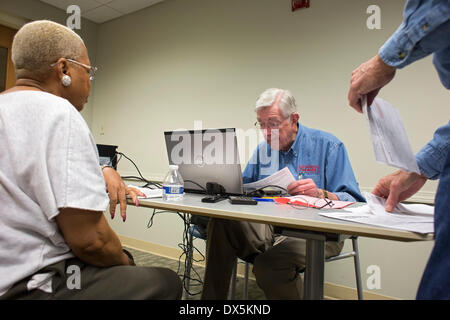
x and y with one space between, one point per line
142 258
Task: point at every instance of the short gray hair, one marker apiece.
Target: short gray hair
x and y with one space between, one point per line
286 101
40 43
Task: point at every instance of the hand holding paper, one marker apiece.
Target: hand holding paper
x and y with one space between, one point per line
398 186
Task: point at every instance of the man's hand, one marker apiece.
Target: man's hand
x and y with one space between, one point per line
368 79
117 192
398 186
303 187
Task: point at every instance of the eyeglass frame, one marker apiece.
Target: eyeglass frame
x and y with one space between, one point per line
259 126
91 69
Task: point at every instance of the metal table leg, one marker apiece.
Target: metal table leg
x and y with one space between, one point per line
315 260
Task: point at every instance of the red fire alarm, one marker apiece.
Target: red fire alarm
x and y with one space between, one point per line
298 4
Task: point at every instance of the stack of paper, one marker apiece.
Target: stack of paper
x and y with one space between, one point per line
410 217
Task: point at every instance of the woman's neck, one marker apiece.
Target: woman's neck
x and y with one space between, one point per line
29 84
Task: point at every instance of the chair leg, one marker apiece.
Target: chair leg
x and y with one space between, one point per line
359 287
245 295
187 272
233 282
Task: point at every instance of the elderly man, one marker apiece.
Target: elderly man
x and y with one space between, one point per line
55 242
322 162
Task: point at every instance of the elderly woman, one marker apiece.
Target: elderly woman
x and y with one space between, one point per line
55 242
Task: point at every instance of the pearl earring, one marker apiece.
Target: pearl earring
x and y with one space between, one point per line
66 80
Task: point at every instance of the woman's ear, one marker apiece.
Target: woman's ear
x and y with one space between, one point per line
294 117
63 67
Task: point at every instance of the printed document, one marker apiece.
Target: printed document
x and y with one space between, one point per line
281 178
410 217
389 139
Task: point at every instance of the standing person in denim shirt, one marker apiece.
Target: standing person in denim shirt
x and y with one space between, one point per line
425 30
321 161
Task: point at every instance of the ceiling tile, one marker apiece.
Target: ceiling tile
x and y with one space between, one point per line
102 14
85 5
128 6
103 1
101 11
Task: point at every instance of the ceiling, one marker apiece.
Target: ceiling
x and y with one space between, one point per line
100 11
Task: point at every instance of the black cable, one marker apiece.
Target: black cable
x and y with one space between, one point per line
186 248
140 174
204 189
268 186
141 178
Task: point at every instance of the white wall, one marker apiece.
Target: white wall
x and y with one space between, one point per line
164 67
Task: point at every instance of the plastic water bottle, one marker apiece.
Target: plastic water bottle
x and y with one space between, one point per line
173 185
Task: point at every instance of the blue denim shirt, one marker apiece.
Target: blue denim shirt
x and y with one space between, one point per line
315 154
425 30
431 158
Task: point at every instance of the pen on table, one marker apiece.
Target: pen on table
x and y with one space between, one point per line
264 199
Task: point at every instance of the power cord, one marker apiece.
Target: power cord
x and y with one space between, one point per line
188 248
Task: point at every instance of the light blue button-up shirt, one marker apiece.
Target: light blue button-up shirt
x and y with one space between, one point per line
431 158
315 154
425 29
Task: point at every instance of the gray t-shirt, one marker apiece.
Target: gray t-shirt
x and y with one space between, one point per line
48 161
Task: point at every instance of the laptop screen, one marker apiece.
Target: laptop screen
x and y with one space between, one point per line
206 156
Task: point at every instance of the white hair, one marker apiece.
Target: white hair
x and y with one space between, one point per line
40 43
286 101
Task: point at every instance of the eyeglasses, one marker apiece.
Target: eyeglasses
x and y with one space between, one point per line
272 125
92 70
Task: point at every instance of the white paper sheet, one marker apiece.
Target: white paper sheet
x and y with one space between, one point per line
389 138
281 178
149 193
410 217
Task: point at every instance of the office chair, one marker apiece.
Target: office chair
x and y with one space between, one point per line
197 230
354 253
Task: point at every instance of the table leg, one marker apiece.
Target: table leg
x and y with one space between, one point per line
314 274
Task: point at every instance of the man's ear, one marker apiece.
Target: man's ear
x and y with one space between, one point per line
294 117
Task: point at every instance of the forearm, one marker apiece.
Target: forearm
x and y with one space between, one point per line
420 34
90 238
431 157
105 251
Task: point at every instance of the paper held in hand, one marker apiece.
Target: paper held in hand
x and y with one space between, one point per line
389 138
281 178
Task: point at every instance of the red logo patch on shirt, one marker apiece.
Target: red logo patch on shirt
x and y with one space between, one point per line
309 169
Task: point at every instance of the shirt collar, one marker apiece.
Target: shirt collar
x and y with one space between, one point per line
294 146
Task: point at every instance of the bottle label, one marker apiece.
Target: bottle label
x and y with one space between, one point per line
173 189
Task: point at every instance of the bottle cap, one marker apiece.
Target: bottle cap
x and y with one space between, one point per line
173 167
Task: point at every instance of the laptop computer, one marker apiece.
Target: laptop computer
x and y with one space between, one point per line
203 156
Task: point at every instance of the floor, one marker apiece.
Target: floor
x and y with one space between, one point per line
142 258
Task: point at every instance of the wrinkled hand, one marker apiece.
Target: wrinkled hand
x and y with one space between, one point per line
118 192
368 79
303 187
398 186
